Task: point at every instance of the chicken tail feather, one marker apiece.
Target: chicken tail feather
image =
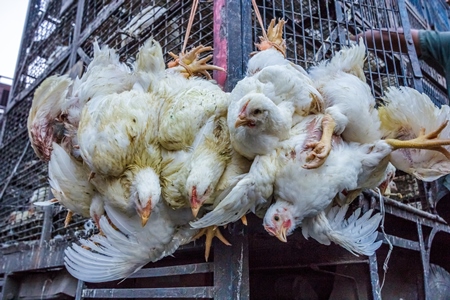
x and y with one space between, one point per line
358 233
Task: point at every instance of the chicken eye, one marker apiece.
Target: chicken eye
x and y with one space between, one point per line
276 218
257 111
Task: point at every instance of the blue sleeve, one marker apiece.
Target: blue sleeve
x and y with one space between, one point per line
435 45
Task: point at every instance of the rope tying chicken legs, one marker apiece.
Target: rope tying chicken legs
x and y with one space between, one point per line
190 62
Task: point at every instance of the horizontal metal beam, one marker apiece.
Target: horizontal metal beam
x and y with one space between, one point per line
184 292
408 212
174 270
399 242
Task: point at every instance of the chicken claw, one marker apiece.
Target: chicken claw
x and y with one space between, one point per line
191 64
428 141
68 218
274 37
322 148
211 232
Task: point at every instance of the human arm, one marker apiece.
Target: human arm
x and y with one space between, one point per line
390 39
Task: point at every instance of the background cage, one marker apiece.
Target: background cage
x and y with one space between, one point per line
58 36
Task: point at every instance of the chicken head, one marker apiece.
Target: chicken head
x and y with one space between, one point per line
145 193
279 221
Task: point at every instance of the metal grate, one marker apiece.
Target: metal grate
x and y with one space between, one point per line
130 24
315 30
47 41
46 50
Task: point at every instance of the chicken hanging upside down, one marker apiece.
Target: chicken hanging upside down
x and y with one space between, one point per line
160 157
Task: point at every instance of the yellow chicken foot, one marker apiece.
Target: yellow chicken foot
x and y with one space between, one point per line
428 141
244 220
274 37
322 148
68 218
192 64
211 232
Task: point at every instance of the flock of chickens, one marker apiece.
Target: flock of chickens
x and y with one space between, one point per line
158 157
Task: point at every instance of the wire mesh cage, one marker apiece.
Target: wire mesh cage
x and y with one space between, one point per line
48 36
59 33
127 26
316 30
47 46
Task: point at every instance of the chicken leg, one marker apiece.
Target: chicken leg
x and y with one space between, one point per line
68 218
428 141
211 232
322 148
274 37
191 64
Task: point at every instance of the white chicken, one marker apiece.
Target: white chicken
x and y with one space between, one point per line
406 113
256 187
190 177
273 97
356 234
45 125
125 246
347 99
118 141
299 193
68 179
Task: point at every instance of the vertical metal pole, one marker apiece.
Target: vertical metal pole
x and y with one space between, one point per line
3 126
232 40
424 255
417 73
76 34
79 292
232 46
374 279
11 288
231 270
46 233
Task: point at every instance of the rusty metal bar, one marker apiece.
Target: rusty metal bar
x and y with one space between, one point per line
184 292
174 270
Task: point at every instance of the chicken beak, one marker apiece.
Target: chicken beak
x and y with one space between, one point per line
145 213
281 234
195 211
195 204
241 121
